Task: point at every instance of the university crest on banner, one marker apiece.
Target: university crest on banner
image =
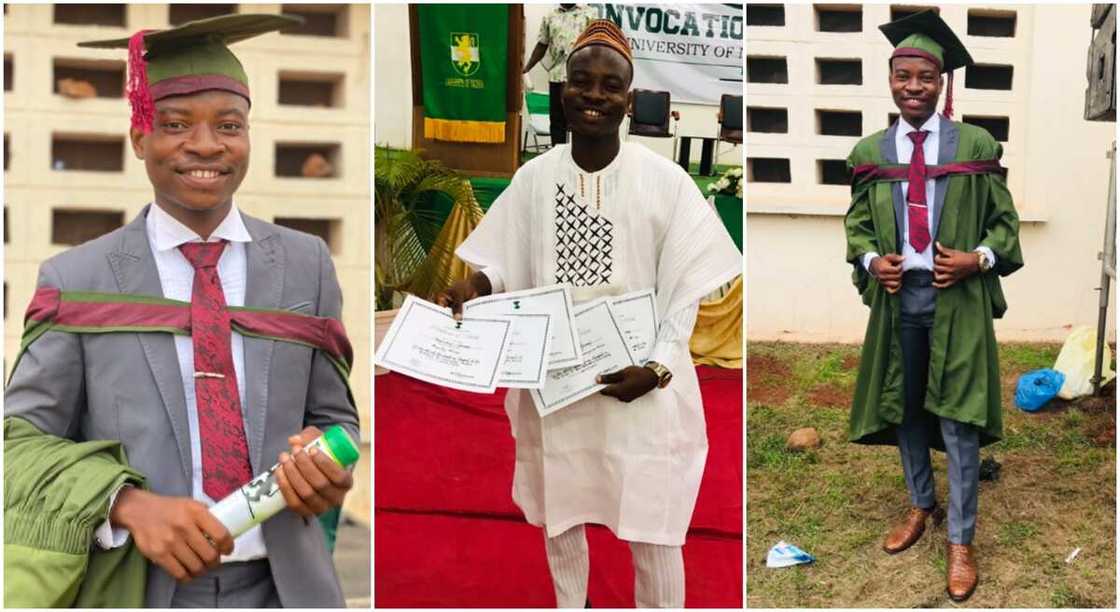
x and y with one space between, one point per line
464 65
464 53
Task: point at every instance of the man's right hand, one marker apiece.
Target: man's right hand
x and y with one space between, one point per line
463 291
176 533
888 269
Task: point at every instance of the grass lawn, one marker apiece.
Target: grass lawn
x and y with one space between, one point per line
1056 493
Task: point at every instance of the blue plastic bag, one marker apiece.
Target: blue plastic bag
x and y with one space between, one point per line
783 554
1038 387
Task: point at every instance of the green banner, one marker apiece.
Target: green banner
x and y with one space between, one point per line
463 62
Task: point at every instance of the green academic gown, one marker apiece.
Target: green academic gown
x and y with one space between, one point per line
964 381
56 493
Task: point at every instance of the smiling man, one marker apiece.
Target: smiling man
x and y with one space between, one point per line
930 230
205 341
606 218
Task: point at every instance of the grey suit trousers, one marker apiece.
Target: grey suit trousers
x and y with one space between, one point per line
962 441
232 585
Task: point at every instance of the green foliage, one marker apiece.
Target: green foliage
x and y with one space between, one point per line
1065 597
1015 533
1027 356
770 452
404 221
831 369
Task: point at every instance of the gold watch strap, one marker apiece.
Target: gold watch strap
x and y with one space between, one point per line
664 375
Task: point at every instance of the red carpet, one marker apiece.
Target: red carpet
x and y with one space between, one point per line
449 535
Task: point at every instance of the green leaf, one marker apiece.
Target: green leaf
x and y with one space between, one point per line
405 221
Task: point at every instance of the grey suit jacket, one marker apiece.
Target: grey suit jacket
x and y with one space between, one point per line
127 386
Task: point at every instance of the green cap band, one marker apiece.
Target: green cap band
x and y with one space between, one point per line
342 447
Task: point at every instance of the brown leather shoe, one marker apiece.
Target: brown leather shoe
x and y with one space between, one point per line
906 533
961 572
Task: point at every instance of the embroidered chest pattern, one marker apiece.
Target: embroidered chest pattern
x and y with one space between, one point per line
584 243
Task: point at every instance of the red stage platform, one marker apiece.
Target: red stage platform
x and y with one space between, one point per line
447 531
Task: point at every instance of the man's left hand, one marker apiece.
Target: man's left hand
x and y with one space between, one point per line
629 383
951 266
309 480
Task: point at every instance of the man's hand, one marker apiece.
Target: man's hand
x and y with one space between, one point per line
629 383
888 269
176 533
463 291
951 266
454 296
309 480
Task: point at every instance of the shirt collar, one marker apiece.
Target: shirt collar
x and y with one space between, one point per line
168 233
933 124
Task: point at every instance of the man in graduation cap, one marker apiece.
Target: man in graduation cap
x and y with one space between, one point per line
206 341
604 218
930 231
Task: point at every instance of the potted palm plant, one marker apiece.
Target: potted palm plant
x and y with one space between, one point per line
414 241
409 255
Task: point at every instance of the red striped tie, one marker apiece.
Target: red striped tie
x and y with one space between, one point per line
225 452
917 212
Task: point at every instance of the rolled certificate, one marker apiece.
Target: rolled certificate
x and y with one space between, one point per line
260 498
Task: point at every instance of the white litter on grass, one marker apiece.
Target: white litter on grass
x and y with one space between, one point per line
786 555
1073 555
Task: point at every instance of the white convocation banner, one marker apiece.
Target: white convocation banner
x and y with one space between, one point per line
693 51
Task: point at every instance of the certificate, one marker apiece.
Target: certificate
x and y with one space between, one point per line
637 317
526 361
604 350
425 342
554 300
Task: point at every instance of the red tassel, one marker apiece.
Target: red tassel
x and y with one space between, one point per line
948 112
139 94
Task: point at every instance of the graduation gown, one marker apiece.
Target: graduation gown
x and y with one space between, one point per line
970 210
56 492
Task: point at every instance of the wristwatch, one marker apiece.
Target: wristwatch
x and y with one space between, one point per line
663 373
985 263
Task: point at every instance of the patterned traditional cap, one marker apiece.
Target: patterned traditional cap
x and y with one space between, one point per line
606 33
188 59
927 36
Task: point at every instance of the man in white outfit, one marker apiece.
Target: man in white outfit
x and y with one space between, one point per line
607 218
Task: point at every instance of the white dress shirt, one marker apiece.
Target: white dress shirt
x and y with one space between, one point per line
904 147
672 328
176 275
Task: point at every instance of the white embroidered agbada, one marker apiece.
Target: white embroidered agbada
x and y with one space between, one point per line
640 222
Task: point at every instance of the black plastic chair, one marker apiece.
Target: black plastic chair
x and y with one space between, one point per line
730 120
650 114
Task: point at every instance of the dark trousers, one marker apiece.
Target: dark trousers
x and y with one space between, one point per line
962 440
557 124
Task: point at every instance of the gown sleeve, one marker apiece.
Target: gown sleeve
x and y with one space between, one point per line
859 229
1001 222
